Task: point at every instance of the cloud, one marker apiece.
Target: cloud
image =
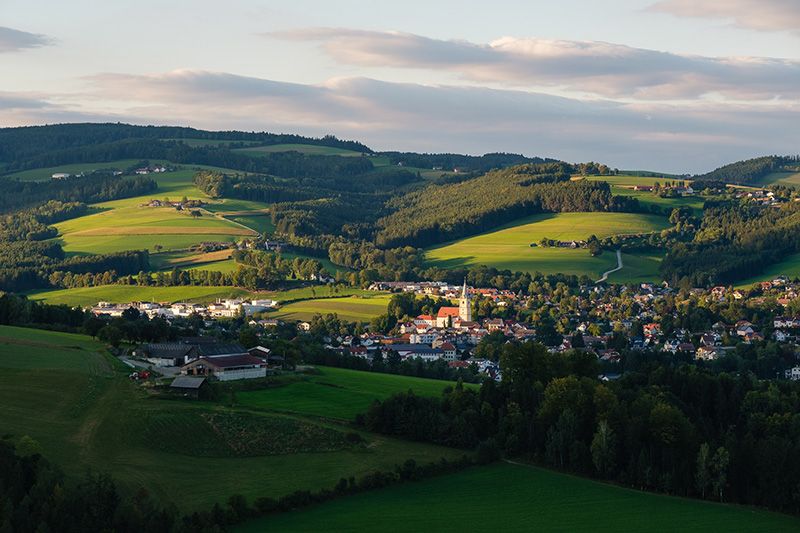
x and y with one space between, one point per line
402 116
12 40
762 15
572 67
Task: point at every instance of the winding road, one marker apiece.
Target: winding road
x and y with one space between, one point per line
619 267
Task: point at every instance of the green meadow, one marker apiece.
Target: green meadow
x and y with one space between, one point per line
308 149
87 296
788 178
337 392
44 174
513 497
509 247
76 401
350 308
789 267
623 186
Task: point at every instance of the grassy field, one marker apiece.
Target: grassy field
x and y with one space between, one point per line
351 308
789 267
509 246
623 186
64 392
86 296
506 497
790 179
308 149
637 268
337 392
44 174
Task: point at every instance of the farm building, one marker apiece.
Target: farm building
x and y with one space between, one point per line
227 368
179 353
188 385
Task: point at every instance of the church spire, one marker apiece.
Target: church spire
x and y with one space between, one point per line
464 305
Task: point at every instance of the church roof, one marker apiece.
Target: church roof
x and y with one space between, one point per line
447 311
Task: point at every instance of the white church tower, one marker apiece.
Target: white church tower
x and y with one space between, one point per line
464 305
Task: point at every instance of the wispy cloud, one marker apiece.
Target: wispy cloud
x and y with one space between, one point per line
403 116
599 68
12 40
762 15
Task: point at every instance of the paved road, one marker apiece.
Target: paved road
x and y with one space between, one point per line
619 267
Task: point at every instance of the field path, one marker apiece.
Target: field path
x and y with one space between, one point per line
619 267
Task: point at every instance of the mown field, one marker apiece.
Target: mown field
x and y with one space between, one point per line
65 392
510 497
351 308
509 247
87 296
337 392
790 179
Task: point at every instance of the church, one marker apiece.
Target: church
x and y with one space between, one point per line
463 313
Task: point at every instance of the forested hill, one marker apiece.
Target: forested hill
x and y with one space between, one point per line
443 212
24 143
751 171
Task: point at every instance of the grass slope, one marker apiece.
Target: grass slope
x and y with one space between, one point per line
789 267
509 247
337 392
44 174
64 393
86 296
505 497
351 308
308 149
623 186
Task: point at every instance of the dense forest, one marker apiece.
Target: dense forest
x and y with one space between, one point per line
439 213
670 428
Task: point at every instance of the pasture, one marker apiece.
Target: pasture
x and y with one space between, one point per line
337 392
64 393
44 174
787 178
350 308
509 246
623 186
88 296
512 497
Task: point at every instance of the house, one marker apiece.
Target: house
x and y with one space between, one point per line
188 385
449 351
709 353
61 176
227 368
793 373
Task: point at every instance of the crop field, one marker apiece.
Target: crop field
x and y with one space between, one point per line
337 392
509 247
308 149
350 308
87 296
512 497
65 393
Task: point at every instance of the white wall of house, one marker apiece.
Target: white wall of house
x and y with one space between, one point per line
242 373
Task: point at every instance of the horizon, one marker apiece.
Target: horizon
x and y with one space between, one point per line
671 85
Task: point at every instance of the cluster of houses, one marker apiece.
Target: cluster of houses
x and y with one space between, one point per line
152 169
680 190
445 290
179 205
222 308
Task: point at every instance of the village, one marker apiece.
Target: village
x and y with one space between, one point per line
606 321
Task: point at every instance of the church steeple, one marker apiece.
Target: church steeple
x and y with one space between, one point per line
464 305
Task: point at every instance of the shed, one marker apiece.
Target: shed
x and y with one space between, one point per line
188 385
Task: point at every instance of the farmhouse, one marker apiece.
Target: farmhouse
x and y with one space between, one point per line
227 368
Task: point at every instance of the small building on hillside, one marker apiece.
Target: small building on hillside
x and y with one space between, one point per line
227 368
188 385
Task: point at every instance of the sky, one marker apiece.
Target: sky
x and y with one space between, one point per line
671 85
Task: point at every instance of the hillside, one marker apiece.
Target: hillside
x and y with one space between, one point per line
753 171
521 498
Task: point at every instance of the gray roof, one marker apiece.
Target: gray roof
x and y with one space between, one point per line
218 348
187 382
167 349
